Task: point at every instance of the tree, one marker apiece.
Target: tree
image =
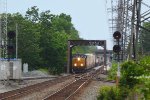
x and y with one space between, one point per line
32 14
28 39
145 38
129 71
42 38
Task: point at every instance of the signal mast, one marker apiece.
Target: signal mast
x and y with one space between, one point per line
3 29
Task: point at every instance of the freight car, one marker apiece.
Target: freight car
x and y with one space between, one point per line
82 62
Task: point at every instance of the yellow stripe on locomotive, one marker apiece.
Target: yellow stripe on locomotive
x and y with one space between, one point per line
78 62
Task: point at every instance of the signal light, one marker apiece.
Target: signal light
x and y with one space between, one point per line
11 34
116 48
11 44
117 35
10 49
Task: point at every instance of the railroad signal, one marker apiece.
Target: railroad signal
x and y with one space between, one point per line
11 34
11 44
117 35
10 49
116 48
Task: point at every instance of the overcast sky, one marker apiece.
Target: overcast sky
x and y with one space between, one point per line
88 16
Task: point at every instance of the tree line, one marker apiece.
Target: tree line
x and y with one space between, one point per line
42 38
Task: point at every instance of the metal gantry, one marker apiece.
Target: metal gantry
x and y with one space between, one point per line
127 16
72 43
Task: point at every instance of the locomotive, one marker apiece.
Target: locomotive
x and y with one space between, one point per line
83 62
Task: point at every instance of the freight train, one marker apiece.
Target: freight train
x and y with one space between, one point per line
83 62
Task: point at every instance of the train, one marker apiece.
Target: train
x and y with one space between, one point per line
82 62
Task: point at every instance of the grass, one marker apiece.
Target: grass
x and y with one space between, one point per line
44 70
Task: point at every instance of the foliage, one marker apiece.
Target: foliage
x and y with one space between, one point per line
43 70
145 64
110 93
28 39
42 38
84 49
129 71
144 88
145 38
112 73
134 80
136 77
145 78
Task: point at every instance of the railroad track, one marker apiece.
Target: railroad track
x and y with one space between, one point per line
67 92
18 93
35 78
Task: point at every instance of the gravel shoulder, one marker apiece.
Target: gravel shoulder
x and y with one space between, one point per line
29 78
92 90
12 85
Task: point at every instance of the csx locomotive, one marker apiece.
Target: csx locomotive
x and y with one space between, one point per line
82 62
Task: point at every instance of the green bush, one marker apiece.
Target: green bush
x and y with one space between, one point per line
146 89
113 71
145 78
44 70
130 70
109 93
55 70
134 81
145 64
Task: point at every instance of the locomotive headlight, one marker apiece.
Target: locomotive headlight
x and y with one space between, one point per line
81 64
75 64
79 59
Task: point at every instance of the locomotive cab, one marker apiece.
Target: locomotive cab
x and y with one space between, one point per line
82 62
78 63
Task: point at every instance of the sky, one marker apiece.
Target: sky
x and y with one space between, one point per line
88 16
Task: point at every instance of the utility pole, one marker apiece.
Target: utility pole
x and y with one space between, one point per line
132 37
0 37
138 13
16 41
135 29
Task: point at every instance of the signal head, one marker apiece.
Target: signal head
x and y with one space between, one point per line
117 35
116 48
11 34
10 49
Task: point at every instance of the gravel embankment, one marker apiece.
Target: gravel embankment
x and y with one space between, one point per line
12 85
91 91
40 94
